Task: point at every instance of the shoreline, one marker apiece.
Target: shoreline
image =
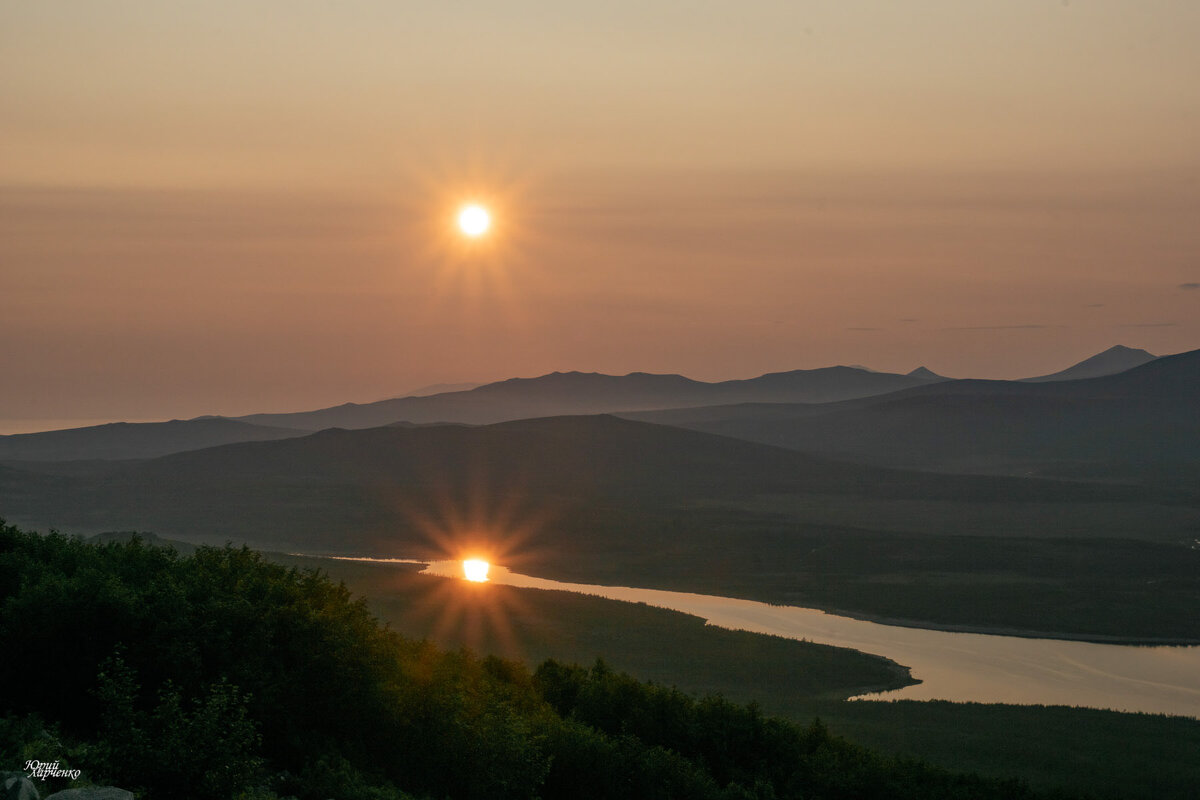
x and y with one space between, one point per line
1018 633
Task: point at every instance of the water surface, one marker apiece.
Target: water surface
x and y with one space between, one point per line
963 667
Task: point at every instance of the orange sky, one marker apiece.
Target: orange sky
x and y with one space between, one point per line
227 208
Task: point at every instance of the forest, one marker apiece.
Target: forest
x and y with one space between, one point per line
220 674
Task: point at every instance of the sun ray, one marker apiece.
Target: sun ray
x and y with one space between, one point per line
485 280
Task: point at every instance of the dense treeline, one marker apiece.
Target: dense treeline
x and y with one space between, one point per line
222 675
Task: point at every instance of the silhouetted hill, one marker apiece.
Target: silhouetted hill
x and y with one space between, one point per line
1173 379
1141 424
1111 361
127 440
562 393
148 539
1170 378
338 488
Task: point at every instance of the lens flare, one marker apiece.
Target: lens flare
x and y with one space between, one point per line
475 569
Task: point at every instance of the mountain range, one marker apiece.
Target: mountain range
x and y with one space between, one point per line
518 398
593 393
946 501
1140 424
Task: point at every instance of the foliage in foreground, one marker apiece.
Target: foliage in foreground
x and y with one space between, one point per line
222 675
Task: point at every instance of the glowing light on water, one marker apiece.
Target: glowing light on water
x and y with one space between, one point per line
475 569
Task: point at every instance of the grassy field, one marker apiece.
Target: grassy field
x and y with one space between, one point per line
1100 753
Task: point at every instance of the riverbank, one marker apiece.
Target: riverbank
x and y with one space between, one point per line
950 665
1097 590
1020 633
769 597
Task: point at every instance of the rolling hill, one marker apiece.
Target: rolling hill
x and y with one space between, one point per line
607 500
128 440
338 489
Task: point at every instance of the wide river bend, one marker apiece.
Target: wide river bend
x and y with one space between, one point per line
963 667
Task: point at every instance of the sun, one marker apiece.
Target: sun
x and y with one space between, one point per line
474 220
475 569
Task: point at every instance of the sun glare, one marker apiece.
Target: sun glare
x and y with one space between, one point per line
474 220
475 569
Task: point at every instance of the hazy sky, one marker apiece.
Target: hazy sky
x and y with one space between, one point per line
230 207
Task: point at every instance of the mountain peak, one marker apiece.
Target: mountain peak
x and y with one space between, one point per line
1117 358
927 374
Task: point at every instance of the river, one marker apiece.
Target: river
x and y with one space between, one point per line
963 667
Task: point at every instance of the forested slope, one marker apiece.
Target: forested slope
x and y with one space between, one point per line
222 675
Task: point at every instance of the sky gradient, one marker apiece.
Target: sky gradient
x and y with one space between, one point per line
232 208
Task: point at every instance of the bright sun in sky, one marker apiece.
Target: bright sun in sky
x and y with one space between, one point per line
474 220
475 569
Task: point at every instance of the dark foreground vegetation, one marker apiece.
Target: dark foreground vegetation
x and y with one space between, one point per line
222 675
657 644
1085 751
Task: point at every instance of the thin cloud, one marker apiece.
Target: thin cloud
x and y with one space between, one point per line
1004 327
1189 286
864 329
1151 325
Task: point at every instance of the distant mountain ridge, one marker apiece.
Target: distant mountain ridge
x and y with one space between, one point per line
562 393
441 388
559 393
129 440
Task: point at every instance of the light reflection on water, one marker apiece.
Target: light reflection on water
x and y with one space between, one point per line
963 667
